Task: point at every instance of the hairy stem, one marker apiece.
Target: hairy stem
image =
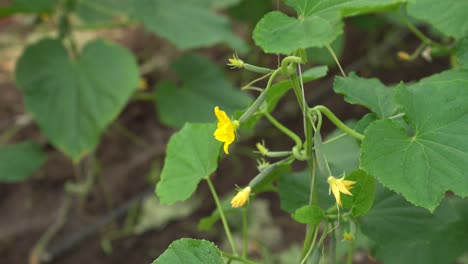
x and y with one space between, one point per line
223 217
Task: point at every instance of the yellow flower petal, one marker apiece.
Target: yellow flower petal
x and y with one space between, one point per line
225 131
241 197
338 186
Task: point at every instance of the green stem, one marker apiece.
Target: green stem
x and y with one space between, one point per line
336 59
349 258
245 232
260 99
333 245
288 60
233 257
419 33
257 69
278 154
247 86
309 249
328 141
284 129
338 123
266 173
38 252
223 217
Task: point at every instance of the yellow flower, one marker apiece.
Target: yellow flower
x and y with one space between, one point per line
348 236
241 197
338 186
235 62
226 130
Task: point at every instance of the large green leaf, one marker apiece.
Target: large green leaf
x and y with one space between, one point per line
102 11
431 159
448 16
418 236
186 24
370 93
345 7
193 251
18 162
462 52
74 100
279 33
318 24
204 87
192 155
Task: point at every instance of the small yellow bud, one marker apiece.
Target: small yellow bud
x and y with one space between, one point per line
235 62
403 55
143 85
241 197
348 236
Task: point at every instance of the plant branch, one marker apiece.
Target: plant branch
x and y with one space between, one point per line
223 217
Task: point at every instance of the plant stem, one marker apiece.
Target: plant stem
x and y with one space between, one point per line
419 34
223 217
284 129
333 245
309 250
349 258
38 252
336 59
338 123
233 257
245 232
245 87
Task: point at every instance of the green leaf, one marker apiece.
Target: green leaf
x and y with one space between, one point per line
294 191
447 16
370 93
279 33
204 87
319 23
430 160
20 161
363 193
277 91
309 214
28 6
214 4
102 11
342 154
193 251
364 122
345 7
462 52
74 100
191 156
418 236
186 25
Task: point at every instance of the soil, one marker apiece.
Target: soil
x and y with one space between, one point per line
29 208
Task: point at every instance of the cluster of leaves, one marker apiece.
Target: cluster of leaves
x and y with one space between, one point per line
75 93
413 142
